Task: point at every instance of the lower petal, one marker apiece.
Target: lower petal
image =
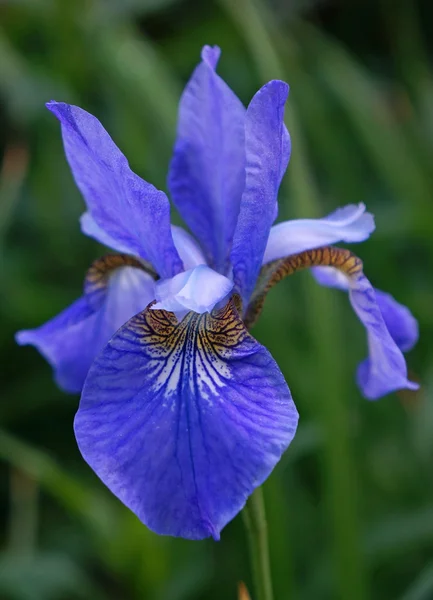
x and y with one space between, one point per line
182 421
71 340
385 369
66 342
401 324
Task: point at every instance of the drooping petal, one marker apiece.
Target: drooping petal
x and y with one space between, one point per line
122 205
67 343
183 420
267 155
207 172
331 277
198 289
384 370
71 340
348 224
399 321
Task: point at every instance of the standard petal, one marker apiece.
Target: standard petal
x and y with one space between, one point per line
183 420
267 155
207 172
399 321
384 370
127 209
90 228
348 224
71 340
187 247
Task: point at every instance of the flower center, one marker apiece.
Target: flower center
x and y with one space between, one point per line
198 290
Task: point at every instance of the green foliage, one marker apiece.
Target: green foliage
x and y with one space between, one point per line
350 505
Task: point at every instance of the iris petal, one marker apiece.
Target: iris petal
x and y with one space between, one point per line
385 370
123 206
183 420
207 172
267 154
187 247
90 228
348 224
189 250
399 321
73 338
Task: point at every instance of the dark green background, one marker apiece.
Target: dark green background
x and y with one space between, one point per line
351 505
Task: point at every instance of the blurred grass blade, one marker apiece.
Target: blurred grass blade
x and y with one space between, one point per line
135 66
23 513
44 577
12 174
68 491
24 89
385 144
422 587
400 534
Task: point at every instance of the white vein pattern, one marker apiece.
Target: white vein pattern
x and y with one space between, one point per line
203 420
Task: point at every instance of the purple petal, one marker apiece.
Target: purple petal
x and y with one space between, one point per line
267 156
207 172
348 224
385 370
399 321
211 55
331 277
91 229
189 250
127 209
187 247
183 421
71 340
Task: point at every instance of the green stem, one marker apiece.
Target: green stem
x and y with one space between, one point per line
257 530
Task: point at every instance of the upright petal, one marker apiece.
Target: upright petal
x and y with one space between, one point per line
384 370
348 224
207 172
90 228
123 206
399 321
183 420
70 341
267 156
187 247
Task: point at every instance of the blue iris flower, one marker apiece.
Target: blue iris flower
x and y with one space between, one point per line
183 413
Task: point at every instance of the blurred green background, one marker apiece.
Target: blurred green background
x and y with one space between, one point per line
350 507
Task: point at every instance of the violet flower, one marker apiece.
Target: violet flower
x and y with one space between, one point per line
183 413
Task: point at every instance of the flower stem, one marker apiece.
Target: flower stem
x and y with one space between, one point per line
257 529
